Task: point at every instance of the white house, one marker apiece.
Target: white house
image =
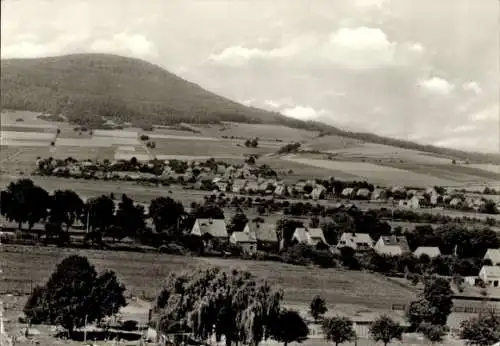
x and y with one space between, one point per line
357 241
309 236
348 192
363 193
247 241
493 255
392 245
214 227
431 251
318 192
490 275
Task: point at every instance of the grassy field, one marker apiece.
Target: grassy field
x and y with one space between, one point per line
144 275
371 172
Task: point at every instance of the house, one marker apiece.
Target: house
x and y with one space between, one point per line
493 255
348 192
434 199
392 245
455 202
378 194
210 228
299 186
265 233
221 169
222 186
309 236
252 186
431 251
414 203
490 275
246 240
363 193
318 192
356 241
238 185
280 190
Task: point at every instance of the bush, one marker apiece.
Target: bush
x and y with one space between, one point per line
172 249
129 325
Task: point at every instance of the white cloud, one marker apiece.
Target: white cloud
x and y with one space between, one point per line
362 47
302 112
417 48
488 114
354 48
473 87
436 85
134 44
370 3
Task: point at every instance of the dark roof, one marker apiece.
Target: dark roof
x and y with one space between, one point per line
396 240
264 231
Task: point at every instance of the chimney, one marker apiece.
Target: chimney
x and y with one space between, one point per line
210 221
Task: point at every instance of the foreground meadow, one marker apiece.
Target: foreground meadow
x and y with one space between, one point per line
143 275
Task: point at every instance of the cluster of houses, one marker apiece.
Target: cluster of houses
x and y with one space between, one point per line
256 236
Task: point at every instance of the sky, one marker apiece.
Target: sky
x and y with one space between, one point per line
425 70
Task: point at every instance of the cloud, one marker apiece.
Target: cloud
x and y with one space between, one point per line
488 114
436 85
133 44
303 113
370 3
473 87
357 48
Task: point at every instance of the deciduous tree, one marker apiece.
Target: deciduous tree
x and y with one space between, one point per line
482 330
289 327
166 213
385 329
74 294
317 307
338 330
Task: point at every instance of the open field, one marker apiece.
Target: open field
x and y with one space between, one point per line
380 164
372 172
143 275
485 167
265 132
384 152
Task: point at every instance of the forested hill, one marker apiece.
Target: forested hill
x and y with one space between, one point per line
88 87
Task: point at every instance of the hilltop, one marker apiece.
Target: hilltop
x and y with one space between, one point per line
91 88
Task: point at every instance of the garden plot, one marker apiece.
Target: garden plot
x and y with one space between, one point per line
189 138
19 143
372 172
27 136
28 128
83 142
82 152
115 133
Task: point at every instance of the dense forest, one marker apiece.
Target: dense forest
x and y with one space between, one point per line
91 88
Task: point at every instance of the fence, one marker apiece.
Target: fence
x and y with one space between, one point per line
464 309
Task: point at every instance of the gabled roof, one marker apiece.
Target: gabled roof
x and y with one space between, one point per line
263 231
244 237
363 192
301 234
493 271
349 237
393 240
316 233
214 227
431 251
493 255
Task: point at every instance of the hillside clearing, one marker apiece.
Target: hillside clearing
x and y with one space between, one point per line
371 172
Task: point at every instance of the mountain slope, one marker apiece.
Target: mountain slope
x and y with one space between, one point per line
88 87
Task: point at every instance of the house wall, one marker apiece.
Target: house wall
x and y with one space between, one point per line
249 248
489 281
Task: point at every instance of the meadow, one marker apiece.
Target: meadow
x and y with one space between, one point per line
144 273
